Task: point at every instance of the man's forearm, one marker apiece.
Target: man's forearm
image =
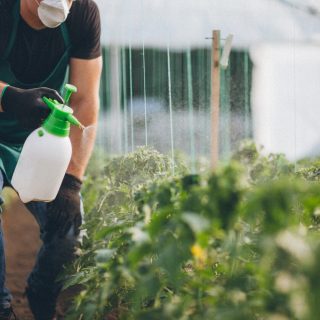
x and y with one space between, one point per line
85 75
2 86
83 140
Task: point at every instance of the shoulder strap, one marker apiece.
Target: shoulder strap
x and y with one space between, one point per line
16 17
65 35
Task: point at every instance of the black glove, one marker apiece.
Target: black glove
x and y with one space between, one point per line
27 105
64 211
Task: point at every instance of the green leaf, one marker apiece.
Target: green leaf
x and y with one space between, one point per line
104 255
196 222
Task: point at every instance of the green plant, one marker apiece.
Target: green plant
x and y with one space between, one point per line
239 243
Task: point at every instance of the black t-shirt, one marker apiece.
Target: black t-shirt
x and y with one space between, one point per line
36 52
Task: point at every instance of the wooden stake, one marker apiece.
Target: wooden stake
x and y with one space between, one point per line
215 98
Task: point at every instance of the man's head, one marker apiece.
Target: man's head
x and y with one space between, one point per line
52 12
69 2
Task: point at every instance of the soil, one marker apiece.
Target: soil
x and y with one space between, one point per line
22 243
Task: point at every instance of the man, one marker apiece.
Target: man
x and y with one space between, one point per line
39 40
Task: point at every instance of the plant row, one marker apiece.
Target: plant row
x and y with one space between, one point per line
238 243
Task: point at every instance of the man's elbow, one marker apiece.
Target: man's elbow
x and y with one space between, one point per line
86 102
87 108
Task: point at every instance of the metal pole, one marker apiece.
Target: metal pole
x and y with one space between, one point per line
115 99
215 98
246 96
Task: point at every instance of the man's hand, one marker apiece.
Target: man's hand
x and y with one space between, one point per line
27 105
64 211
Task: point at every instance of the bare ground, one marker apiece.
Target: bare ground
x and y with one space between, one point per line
22 243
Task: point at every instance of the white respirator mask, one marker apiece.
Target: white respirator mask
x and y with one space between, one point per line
53 12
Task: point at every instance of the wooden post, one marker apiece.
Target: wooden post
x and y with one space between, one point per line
215 98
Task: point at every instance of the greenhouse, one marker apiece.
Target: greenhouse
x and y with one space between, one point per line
190 189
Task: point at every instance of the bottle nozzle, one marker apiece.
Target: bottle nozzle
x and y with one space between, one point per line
61 117
73 120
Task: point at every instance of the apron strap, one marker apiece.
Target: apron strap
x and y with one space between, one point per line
65 35
16 17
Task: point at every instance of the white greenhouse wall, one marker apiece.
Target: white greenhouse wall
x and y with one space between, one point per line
286 99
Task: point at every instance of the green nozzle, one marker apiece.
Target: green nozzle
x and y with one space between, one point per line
60 118
73 120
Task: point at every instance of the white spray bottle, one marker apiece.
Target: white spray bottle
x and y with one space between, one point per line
46 154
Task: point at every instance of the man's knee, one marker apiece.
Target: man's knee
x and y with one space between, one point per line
62 250
55 238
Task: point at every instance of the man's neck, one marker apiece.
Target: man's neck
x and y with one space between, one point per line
28 11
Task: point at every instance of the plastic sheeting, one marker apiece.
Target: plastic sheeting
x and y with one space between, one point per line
285 99
186 23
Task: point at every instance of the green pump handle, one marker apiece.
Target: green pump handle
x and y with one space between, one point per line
70 89
60 118
52 104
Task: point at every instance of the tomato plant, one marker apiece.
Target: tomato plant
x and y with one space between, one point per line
239 243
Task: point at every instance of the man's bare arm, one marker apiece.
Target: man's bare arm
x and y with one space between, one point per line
2 86
85 75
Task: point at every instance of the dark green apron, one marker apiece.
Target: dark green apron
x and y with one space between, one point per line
12 136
